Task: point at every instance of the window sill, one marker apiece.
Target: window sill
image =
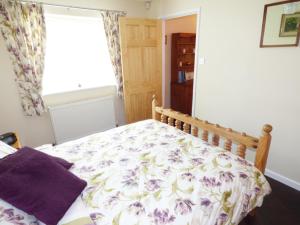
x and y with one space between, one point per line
79 95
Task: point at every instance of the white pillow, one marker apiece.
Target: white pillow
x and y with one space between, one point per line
6 149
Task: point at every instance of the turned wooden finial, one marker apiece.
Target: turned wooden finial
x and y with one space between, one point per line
267 128
154 100
263 147
155 115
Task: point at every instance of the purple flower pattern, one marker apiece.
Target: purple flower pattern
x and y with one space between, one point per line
162 216
222 218
224 156
210 182
197 161
137 208
9 215
226 176
205 202
105 163
243 175
96 216
113 200
159 184
183 206
188 176
131 178
153 184
175 156
243 162
86 169
246 204
23 29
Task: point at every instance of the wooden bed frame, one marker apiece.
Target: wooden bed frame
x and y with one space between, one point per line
192 126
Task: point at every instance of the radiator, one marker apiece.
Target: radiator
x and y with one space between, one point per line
76 120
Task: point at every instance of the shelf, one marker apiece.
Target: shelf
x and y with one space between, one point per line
185 43
185 67
183 47
186 83
189 53
186 54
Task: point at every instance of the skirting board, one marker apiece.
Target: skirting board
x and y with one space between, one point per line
287 181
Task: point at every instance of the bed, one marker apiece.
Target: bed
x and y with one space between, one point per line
160 171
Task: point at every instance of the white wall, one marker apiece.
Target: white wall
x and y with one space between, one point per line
185 24
38 130
244 86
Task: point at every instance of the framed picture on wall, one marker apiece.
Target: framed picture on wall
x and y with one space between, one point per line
289 25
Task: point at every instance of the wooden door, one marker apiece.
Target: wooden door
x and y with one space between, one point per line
141 49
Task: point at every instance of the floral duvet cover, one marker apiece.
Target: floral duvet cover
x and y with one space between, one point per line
151 173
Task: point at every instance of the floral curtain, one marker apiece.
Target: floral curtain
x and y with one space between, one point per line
111 26
23 28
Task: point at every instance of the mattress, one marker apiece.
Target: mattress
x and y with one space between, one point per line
151 173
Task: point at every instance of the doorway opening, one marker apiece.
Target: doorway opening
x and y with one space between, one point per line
179 61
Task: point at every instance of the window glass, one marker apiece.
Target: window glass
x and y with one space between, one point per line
77 55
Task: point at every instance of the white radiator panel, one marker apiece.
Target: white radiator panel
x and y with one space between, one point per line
76 120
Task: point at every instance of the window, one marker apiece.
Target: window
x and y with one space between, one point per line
77 55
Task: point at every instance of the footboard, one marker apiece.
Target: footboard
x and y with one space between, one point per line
194 125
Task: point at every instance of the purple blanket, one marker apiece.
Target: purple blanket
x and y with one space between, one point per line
39 186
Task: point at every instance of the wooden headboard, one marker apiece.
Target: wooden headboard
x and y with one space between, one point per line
192 125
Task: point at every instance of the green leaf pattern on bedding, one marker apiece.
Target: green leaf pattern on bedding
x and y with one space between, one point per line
151 173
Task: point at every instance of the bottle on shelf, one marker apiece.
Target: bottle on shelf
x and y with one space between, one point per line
181 77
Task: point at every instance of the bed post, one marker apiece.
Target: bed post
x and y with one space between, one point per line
155 115
263 148
17 145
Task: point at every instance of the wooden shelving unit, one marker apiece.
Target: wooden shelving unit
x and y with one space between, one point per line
182 59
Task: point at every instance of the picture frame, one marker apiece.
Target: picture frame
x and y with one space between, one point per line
290 25
271 25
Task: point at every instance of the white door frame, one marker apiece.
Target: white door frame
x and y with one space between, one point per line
196 68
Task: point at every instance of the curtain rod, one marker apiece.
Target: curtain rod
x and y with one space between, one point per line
68 6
